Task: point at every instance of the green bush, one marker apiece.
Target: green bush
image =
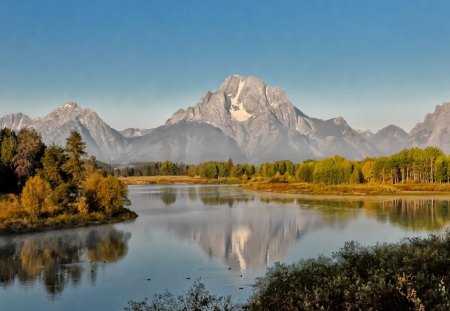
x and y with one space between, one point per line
411 275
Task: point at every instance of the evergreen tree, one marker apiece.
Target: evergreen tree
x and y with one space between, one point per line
52 163
29 150
74 166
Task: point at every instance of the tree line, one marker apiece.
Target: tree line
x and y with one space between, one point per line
409 165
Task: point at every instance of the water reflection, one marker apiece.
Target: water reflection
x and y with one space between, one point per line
416 214
258 229
55 259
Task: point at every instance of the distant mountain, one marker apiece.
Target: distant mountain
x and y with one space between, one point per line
434 130
389 140
101 140
16 121
245 120
365 134
183 142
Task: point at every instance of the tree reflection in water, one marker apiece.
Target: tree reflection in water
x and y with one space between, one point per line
58 258
412 213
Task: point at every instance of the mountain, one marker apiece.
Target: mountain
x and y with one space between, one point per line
434 130
389 140
16 121
245 120
101 140
267 126
365 134
183 142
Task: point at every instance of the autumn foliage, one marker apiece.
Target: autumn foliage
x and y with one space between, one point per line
54 184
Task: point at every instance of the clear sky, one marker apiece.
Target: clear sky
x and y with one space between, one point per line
374 62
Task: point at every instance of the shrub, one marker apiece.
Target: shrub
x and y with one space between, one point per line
410 275
197 298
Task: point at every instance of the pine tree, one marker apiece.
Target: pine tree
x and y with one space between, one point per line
74 166
29 150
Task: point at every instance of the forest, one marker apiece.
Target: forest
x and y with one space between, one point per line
413 165
44 187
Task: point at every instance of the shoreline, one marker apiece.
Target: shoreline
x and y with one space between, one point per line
17 226
301 188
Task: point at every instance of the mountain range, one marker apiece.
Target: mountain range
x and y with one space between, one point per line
245 120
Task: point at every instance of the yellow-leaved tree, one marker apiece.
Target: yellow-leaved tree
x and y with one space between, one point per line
36 196
111 194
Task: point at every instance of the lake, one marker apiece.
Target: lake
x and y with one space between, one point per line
222 235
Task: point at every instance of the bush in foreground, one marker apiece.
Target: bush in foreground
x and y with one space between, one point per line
197 298
413 274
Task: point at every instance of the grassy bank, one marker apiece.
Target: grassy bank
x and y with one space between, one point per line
18 220
296 187
308 188
23 225
264 184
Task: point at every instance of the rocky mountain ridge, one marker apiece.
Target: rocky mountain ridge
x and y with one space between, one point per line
245 120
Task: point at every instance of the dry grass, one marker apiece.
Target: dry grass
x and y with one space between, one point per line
309 188
429 187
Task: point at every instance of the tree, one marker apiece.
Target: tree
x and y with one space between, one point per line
335 170
230 165
432 153
28 152
74 165
36 196
8 178
368 170
167 168
52 163
192 170
8 147
111 194
90 191
356 177
75 152
441 169
305 171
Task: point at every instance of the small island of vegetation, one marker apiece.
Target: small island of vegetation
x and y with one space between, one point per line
52 187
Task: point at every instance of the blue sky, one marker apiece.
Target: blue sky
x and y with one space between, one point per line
136 62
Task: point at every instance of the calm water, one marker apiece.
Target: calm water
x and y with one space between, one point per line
216 233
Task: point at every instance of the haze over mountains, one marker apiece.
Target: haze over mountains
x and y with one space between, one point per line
245 120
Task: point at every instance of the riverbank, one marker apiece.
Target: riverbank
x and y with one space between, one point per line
348 189
266 185
18 222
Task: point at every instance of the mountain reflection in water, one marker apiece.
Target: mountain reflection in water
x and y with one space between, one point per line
236 227
57 258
